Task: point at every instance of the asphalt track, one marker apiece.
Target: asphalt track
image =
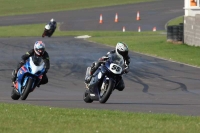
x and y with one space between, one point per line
152 14
153 85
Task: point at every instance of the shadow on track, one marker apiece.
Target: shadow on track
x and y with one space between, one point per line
154 104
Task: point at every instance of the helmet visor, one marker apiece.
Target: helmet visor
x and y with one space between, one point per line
40 51
123 53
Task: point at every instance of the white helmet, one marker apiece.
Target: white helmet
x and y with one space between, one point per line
52 20
121 49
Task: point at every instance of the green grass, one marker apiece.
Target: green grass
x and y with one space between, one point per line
176 21
23 118
13 7
155 45
152 43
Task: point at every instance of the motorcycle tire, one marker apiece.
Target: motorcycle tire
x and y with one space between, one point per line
44 33
27 89
50 34
86 97
14 94
108 92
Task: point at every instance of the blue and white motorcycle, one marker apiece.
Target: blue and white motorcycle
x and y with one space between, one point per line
104 80
28 77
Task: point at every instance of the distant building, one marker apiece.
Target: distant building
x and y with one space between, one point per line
192 22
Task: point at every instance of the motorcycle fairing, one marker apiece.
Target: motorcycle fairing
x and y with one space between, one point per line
29 70
96 81
103 74
47 27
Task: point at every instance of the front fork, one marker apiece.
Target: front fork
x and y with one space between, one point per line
105 81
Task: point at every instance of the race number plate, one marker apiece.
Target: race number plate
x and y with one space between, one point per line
116 69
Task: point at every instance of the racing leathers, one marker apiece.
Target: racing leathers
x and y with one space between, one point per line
95 65
52 26
28 54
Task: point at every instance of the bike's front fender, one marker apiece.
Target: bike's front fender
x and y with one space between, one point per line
20 85
106 92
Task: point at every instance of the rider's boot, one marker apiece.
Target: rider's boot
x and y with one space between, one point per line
38 85
14 75
88 79
91 71
93 68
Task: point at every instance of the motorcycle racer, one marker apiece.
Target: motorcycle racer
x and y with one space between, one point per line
38 51
53 25
50 28
121 50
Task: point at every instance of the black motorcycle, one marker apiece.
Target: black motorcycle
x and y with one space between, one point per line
48 30
104 80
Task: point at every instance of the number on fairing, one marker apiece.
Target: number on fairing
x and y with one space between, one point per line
115 68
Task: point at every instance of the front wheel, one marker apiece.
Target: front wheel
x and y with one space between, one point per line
44 33
86 97
50 33
27 89
14 94
106 91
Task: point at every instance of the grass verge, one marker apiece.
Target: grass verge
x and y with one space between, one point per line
152 43
14 7
23 118
176 21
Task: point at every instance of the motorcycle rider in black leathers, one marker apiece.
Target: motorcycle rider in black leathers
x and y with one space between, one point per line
38 51
53 25
121 50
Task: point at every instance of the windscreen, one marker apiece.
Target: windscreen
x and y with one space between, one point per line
38 61
116 59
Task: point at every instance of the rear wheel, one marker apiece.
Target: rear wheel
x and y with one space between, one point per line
106 91
50 33
86 97
26 90
15 94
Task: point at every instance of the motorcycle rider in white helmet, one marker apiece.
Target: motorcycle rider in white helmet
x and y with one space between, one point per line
53 25
49 28
121 50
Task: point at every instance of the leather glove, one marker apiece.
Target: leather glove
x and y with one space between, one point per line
103 58
22 61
